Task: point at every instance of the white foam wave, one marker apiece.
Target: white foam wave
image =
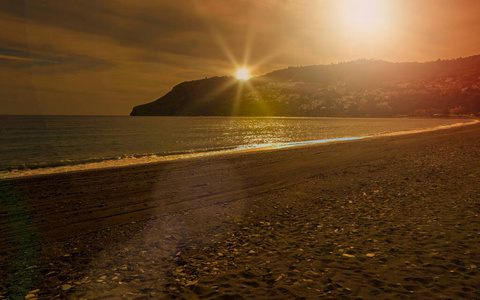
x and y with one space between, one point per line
129 161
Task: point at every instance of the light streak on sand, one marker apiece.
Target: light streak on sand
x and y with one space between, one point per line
428 129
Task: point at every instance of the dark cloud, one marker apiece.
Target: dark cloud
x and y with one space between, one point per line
158 26
16 59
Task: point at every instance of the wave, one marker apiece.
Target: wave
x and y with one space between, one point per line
27 170
101 162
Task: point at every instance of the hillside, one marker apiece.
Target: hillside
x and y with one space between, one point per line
363 88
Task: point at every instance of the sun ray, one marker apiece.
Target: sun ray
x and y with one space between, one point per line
237 99
217 36
248 44
265 110
243 72
211 95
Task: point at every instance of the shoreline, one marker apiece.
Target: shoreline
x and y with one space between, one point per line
388 217
154 159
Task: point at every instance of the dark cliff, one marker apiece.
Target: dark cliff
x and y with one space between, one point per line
210 97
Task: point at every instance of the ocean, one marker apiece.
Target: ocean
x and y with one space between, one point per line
34 145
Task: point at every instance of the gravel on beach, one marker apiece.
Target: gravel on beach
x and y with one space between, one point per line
383 218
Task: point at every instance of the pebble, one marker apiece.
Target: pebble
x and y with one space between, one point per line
189 283
288 248
66 287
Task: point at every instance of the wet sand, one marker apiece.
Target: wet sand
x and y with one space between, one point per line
385 218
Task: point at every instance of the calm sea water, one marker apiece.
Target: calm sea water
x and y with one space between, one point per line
31 145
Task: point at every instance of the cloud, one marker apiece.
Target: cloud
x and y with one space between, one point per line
9 57
160 26
113 54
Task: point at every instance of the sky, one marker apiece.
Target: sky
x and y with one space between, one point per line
89 57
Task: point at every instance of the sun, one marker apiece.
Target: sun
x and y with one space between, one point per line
365 18
364 15
242 74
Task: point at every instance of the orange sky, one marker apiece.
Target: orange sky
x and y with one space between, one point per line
104 57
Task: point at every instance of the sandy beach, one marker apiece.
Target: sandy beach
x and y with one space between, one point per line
383 218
